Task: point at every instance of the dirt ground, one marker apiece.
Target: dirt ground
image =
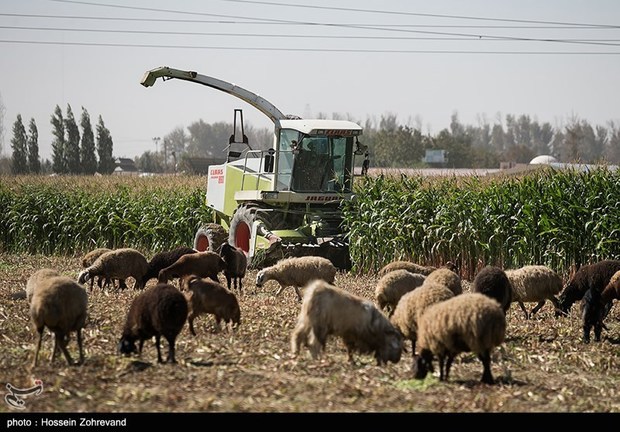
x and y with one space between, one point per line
542 367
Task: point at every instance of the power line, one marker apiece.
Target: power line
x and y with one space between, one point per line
288 35
375 11
328 50
203 21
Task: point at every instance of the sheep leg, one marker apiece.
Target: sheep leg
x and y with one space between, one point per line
441 360
190 321
538 306
229 280
315 345
171 358
62 341
598 328
586 333
485 358
36 351
279 290
449 365
298 293
140 345
157 340
522 306
80 346
298 337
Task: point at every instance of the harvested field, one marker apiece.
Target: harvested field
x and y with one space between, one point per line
542 367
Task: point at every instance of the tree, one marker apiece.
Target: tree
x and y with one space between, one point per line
104 149
72 145
19 144
87 149
34 164
149 162
59 161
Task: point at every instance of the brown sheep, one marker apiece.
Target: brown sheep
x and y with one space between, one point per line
205 296
236 264
202 264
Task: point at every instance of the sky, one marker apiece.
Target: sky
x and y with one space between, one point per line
422 61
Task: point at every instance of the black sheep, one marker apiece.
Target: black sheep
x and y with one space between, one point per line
593 313
236 264
493 282
592 276
165 259
158 311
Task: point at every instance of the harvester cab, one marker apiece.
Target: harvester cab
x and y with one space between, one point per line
284 200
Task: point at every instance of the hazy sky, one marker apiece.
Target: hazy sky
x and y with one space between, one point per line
419 60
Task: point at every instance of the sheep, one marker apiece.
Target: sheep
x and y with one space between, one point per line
297 272
406 265
164 259
447 277
493 282
592 314
470 322
36 279
236 264
411 306
202 264
158 311
595 276
60 304
118 264
393 285
205 296
534 283
89 259
327 310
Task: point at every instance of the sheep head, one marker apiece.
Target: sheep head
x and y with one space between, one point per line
391 348
127 346
422 364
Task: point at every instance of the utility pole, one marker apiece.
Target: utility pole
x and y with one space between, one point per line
156 141
165 155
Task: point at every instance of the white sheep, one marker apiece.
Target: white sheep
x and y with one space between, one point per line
327 310
118 264
297 272
406 265
60 304
470 322
413 304
393 285
534 283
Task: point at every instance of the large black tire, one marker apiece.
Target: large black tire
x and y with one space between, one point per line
210 237
241 228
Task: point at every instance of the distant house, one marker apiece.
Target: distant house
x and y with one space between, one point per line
125 166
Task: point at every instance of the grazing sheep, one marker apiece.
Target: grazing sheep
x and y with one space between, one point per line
493 282
89 259
59 304
165 259
612 290
595 276
205 296
413 304
534 283
36 279
470 322
393 285
327 310
448 278
407 265
236 264
297 272
118 264
202 264
158 311
593 313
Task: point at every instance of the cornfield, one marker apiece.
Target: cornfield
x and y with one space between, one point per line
556 218
72 214
560 219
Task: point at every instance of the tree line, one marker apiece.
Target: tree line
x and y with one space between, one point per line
74 151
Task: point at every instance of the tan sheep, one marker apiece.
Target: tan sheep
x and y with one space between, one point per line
60 304
205 296
118 264
407 265
297 272
202 264
447 278
327 310
534 283
36 279
413 304
393 285
470 322
89 259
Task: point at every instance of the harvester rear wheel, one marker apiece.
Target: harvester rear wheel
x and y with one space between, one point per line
210 237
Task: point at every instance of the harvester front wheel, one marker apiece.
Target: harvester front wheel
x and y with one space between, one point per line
210 237
241 228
